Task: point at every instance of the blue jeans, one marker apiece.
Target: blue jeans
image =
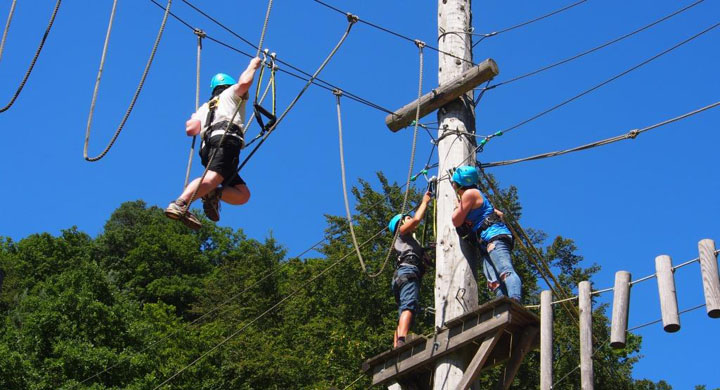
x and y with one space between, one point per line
498 269
406 288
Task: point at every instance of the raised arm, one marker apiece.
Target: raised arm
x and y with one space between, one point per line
246 78
410 226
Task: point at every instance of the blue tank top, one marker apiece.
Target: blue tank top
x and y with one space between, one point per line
478 215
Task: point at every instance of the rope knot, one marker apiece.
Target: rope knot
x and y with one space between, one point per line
337 92
420 44
633 133
352 18
200 33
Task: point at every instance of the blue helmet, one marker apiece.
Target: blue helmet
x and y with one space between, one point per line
466 176
394 222
221 79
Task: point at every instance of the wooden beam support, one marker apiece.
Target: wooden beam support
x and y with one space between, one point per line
621 306
442 344
527 340
478 361
710 278
443 95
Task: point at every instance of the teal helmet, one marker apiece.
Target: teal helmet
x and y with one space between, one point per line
221 79
395 221
466 176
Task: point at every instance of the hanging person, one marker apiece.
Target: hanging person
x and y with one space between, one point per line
410 267
211 121
475 217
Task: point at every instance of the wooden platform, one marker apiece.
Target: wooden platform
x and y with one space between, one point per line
498 331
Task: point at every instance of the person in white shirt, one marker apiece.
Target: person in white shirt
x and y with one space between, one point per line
211 121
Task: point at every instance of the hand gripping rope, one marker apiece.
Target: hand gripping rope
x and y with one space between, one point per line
137 91
37 52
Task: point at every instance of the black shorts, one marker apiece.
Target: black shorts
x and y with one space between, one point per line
226 158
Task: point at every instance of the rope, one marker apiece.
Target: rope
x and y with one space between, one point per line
352 19
262 35
536 116
7 27
263 314
200 35
338 94
420 46
317 81
137 91
632 134
596 48
35 57
405 37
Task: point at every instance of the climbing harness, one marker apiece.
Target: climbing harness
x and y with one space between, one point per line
35 57
200 35
420 44
137 91
338 94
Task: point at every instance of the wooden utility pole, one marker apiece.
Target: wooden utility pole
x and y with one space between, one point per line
455 286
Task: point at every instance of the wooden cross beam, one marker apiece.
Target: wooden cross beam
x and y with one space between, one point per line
431 101
494 325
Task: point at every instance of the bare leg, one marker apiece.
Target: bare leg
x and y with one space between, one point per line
237 195
404 323
212 180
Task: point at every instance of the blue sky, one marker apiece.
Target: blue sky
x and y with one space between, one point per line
624 204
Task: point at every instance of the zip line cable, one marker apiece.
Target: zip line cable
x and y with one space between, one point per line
596 48
317 81
632 134
137 91
338 94
539 18
263 314
405 37
200 35
35 57
7 27
420 46
555 107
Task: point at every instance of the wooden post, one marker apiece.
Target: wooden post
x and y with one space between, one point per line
586 348
666 289
621 305
710 277
455 285
546 340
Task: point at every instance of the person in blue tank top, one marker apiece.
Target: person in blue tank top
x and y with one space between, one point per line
476 217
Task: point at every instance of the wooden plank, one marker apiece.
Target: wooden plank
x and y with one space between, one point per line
527 339
666 289
710 278
442 344
586 363
621 306
444 94
546 340
478 361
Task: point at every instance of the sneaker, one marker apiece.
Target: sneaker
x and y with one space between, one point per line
175 211
211 204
